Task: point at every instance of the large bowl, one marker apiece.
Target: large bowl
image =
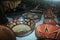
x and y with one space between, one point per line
47 32
21 27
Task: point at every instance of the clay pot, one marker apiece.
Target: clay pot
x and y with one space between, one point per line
49 13
6 33
47 32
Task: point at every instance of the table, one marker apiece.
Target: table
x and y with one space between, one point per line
32 36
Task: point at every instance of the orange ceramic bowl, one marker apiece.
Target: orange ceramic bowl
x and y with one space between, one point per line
47 31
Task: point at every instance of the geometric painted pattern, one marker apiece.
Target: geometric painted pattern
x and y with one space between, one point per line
48 31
